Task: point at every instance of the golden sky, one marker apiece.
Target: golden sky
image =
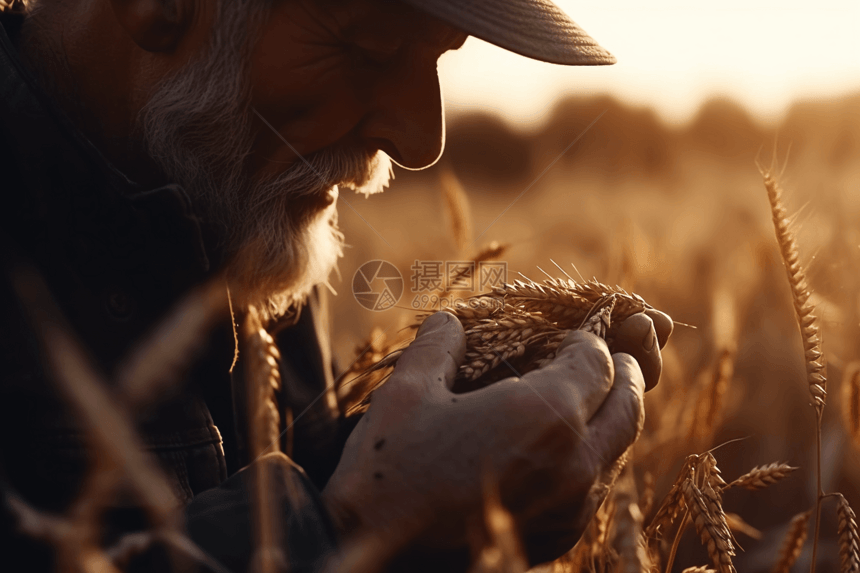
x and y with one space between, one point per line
673 55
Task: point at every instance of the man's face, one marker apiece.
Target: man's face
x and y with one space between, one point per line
289 100
362 71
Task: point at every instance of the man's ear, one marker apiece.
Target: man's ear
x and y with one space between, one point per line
154 25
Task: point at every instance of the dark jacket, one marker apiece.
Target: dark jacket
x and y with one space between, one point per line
116 258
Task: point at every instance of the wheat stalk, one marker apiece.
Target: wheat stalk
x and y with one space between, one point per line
761 477
851 400
117 451
816 370
793 543
647 493
457 207
627 538
737 523
699 569
501 550
711 398
262 382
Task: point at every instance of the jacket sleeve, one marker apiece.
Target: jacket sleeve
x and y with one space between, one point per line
221 521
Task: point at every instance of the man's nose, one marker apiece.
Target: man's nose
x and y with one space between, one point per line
406 118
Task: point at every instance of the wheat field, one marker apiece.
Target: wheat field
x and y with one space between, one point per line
683 217
748 235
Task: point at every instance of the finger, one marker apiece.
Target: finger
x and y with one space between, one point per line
619 420
579 377
636 337
436 353
663 325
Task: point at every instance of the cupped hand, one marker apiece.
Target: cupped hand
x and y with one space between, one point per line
551 438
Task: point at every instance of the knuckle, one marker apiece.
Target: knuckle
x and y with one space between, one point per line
628 370
589 354
597 361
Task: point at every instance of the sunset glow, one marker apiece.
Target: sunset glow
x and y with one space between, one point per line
673 55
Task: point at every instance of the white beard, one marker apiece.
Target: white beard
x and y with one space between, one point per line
279 236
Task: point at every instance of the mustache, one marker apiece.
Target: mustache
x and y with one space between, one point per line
345 165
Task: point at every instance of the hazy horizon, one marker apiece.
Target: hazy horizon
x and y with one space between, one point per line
673 57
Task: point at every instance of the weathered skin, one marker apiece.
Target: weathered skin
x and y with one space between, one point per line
418 458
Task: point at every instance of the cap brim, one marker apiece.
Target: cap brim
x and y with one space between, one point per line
536 29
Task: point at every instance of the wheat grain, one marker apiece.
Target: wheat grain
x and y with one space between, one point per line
699 569
711 472
712 485
762 476
718 544
849 539
673 502
527 320
793 543
516 328
816 371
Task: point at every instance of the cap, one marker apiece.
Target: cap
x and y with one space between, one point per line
536 29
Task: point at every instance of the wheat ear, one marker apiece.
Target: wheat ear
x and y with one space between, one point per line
718 544
793 543
762 476
262 384
804 309
816 370
849 539
672 504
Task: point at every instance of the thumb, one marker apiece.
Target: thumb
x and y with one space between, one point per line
436 353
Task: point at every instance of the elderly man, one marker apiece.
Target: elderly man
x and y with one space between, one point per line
151 145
